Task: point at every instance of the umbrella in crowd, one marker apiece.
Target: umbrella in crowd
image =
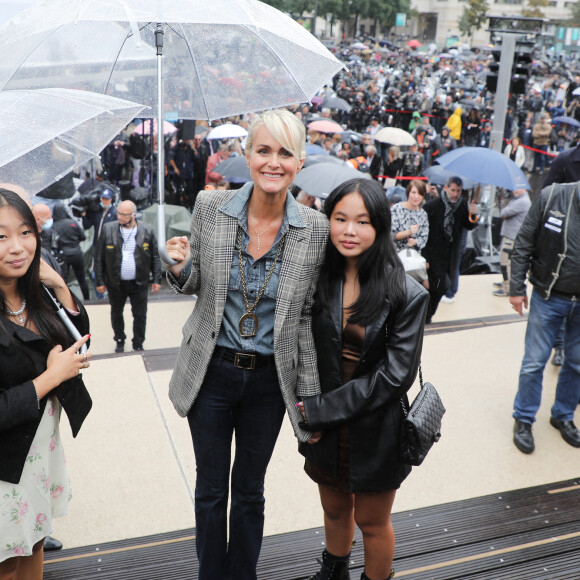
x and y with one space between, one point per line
321 178
227 131
313 149
414 43
438 175
47 133
485 166
394 136
205 61
144 128
325 126
234 169
314 159
337 103
566 121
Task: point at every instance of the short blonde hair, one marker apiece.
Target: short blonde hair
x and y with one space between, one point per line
285 127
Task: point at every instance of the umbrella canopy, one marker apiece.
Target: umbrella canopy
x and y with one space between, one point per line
394 136
47 133
234 169
358 46
485 166
576 92
221 58
325 126
195 60
321 178
314 159
414 43
144 128
313 149
439 176
227 131
337 103
566 120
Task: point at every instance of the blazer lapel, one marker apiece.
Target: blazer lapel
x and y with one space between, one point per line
293 256
225 239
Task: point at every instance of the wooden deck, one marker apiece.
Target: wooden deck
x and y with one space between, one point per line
527 534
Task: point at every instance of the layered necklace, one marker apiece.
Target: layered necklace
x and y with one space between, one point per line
249 315
17 313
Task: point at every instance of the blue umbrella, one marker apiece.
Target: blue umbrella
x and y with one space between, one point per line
439 176
566 121
312 149
485 166
234 169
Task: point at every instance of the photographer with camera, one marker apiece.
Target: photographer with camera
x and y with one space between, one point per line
70 234
97 209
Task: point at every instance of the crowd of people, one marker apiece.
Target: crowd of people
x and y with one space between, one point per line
278 284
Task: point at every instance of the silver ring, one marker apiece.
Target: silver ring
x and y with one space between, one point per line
85 356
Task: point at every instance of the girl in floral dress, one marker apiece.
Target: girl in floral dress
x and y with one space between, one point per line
39 375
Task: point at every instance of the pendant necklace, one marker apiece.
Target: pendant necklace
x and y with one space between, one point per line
249 315
18 313
256 231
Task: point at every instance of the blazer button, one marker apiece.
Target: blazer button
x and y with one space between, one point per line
213 334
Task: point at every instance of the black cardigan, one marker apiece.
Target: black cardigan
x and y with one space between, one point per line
20 414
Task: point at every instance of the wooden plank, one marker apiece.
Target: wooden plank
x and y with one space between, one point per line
520 535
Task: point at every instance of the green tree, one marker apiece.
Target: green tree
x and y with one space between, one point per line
473 17
534 8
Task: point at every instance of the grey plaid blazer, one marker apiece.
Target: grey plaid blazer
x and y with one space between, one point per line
212 243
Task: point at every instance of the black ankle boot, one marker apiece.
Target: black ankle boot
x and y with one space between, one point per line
333 568
391 575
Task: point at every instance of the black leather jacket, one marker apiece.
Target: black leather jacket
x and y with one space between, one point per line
550 231
108 256
370 403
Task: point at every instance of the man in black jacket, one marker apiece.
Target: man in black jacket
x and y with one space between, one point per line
548 246
448 215
126 256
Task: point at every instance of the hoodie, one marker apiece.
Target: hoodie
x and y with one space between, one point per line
69 232
415 120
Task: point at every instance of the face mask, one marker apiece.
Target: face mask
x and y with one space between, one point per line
47 224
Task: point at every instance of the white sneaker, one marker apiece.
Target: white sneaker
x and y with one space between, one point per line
447 300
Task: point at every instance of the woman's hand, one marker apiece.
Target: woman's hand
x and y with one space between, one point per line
411 242
62 365
413 229
179 250
49 276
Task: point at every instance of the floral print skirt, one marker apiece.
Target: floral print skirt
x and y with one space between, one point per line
27 508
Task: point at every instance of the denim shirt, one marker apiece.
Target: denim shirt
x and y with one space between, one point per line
255 273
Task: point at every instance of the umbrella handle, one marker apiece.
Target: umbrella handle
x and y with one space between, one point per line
161 237
474 218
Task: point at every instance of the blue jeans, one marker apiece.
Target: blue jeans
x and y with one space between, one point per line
544 322
248 403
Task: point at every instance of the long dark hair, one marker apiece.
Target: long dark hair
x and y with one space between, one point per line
43 315
381 274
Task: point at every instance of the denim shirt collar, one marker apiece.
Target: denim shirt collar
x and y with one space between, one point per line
236 207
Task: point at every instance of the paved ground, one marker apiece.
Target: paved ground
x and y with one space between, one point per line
132 466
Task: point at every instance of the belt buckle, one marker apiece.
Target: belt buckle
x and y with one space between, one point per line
240 357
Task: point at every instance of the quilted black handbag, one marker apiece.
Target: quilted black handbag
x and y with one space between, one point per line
422 424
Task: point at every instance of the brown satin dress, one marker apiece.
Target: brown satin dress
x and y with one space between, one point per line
352 341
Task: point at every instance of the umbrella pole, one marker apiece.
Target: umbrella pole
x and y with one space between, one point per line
160 153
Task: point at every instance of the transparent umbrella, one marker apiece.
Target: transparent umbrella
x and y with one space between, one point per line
197 60
47 133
